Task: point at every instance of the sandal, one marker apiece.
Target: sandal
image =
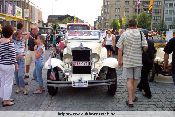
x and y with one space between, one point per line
129 105
8 104
38 92
25 92
17 91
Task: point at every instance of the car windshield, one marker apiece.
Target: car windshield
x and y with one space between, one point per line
78 27
85 35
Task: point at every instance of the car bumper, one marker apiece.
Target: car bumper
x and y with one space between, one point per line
91 83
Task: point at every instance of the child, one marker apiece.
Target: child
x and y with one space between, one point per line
61 47
39 50
19 41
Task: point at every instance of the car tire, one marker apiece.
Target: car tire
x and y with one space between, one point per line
52 90
111 74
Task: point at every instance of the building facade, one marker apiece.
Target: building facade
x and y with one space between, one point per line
117 9
169 14
14 11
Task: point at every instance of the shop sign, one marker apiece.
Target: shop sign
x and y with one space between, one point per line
9 8
18 11
26 12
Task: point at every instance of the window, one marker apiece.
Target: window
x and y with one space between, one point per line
157 11
126 10
157 3
156 18
117 10
126 2
166 11
171 12
168 19
166 5
107 2
117 16
170 5
170 26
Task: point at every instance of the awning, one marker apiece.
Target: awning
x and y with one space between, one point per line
2 16
10 17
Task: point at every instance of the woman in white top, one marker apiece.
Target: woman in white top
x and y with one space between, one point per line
109 42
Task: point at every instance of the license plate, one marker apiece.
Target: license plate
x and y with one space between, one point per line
81 63
80 83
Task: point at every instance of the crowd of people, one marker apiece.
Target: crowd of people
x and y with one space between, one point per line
135 53
15 61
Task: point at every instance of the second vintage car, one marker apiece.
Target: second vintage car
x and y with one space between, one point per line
85 64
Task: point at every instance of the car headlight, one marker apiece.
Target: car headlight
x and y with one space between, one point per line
94 57
67 58
94 71
67 72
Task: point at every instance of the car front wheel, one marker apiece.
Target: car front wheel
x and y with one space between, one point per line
111 74
52 90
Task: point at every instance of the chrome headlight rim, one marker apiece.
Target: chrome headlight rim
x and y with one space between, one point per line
67 58
94 57
67 72
94 71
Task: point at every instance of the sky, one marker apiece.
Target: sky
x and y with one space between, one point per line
87 10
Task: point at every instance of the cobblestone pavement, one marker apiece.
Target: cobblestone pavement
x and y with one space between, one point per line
93 99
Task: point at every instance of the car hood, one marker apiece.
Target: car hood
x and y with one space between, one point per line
94 45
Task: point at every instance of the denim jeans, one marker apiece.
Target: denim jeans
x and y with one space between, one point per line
19 75
173 76
37 73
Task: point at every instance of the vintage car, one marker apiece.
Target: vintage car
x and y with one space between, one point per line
158 72
85 64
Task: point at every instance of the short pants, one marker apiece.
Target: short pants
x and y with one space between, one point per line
132 73
109 47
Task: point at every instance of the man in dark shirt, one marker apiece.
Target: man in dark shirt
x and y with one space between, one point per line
30 53
170 48
147 61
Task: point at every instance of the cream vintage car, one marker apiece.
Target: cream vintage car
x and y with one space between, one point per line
85 64
158 73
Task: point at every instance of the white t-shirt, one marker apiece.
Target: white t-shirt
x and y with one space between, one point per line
109 39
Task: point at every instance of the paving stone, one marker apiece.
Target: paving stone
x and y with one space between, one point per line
91 99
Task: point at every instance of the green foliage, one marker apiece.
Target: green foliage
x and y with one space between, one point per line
144 21
161 27
55 26
114 24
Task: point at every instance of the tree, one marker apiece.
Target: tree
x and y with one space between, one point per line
144 21
114 24
55 26
161 27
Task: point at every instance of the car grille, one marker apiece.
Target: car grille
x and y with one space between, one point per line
82 57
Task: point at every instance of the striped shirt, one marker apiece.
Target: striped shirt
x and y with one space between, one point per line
130 42
7 53
19 47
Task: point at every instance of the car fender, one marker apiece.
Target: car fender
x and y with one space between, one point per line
110 62
54 62
103 54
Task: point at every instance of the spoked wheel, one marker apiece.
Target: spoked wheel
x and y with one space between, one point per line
51 90
111 74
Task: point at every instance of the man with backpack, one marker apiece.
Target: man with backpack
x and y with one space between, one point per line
147 61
